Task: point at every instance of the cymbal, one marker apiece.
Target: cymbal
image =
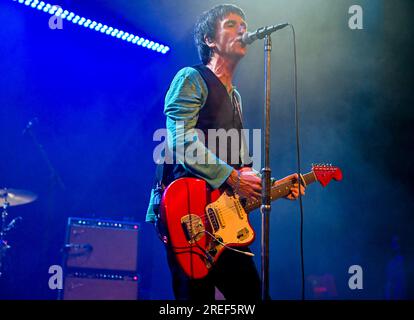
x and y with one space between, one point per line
16 197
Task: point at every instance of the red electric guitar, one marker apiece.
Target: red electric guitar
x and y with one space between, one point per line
201 222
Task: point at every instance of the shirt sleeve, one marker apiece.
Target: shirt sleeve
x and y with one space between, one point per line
183 102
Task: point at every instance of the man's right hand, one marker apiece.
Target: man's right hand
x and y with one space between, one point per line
246 183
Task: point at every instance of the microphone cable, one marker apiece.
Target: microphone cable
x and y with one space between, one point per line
298 163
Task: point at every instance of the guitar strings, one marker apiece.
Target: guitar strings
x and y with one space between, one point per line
229 210
224 212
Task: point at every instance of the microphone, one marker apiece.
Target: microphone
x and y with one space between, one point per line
30 124
249 37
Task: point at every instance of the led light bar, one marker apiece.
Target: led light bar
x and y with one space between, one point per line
94 25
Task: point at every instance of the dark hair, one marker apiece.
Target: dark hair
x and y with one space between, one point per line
206 26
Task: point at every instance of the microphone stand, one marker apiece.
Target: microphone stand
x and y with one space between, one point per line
56 184
54 176
265 208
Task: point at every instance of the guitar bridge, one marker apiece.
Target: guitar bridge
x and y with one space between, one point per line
193 227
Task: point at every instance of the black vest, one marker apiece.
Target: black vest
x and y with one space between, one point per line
217 113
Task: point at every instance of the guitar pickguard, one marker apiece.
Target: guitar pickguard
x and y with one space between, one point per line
234 227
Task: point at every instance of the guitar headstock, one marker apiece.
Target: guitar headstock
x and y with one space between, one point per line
324 173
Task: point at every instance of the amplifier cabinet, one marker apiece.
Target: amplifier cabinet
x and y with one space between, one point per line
100 286
101 244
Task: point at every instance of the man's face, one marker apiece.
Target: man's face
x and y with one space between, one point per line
227 42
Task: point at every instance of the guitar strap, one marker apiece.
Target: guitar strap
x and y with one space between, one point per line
158 187
158 190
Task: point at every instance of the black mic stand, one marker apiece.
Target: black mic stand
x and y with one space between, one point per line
54 176
265 208
56 184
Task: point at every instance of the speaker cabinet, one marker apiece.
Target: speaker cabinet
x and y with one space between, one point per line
102 244
101 286
100 260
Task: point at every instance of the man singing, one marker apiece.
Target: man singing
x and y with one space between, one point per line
203 97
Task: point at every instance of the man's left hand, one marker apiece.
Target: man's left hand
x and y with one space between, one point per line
294 189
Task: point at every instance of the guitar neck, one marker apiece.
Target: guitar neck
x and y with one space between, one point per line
280 191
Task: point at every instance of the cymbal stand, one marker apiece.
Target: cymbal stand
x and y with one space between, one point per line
4 228
3 243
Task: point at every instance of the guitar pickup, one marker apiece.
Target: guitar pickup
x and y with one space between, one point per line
239 208
212 217
242 234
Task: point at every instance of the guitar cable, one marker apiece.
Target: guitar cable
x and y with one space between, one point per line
250 254
299 163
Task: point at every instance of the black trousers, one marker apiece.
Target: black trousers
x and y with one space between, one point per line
234 274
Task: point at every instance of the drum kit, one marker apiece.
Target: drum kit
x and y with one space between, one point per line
11 198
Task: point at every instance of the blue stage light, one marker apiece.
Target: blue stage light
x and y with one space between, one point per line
58 12
47 7
81 21
53 9
70 16
76 19
93 25
64 14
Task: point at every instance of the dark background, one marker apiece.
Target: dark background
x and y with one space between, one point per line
98 101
